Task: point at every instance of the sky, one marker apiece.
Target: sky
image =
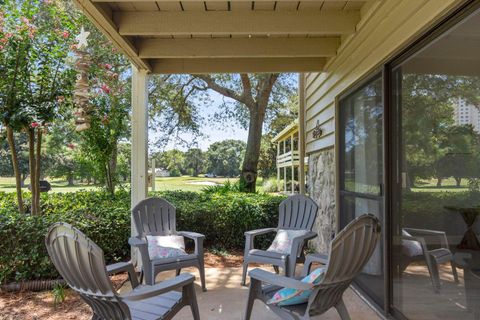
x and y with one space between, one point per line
213 132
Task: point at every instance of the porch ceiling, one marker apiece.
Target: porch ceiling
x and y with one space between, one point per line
225 36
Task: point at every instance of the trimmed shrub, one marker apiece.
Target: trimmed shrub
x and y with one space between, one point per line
223 217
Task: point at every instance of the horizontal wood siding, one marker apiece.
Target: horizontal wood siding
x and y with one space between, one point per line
386 27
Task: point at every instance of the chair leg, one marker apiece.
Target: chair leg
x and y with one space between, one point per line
192 301
253 291
433 270
454 271
178 271
292 264
342 310
201 270
244 273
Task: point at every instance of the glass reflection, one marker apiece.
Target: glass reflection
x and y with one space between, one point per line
436 265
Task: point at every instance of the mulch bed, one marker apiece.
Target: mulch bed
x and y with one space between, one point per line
40 305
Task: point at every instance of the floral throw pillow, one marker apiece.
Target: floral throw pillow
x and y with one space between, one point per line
165 246
283 240
290 296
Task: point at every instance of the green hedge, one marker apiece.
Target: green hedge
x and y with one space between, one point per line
222 217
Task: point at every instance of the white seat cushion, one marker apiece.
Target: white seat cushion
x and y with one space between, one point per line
165 246
411 248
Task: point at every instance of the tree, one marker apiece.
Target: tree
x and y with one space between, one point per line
224 157
110 100
34 41
172 160
427 113
194 161
459 147
253 95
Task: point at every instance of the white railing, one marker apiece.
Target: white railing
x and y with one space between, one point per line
288 158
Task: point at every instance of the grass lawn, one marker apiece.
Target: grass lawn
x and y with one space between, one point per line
185 183
448 185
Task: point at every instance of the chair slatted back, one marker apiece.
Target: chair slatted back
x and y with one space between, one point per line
82 264
351 249
297 212
154 216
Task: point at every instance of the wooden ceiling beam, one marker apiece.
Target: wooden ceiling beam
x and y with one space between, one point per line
236 22
237 65
237 47
201 1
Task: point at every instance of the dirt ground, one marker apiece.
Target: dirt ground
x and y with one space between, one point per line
40 305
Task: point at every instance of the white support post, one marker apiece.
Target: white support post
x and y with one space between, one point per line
139 138
292 149
278 168
301 132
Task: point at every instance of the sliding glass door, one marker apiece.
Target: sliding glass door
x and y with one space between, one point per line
361 170
435 133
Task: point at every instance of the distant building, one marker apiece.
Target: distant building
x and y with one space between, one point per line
466 113
161 172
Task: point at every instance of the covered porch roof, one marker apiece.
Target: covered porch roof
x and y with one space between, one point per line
219 36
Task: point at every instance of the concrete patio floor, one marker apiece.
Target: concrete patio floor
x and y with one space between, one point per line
225 299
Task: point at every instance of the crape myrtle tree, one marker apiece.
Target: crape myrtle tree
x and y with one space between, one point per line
252 98
35 37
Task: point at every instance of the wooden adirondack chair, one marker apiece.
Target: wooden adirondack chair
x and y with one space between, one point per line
349 252
81 263
297 212
157 217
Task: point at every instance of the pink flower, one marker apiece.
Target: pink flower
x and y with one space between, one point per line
34 125
1 47
65 34
71 146
25 20
108 66
47 1
8 35
105 88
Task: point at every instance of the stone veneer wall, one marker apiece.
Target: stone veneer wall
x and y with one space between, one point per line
321 188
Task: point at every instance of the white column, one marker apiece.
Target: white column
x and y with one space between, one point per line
139 137
292 150
301 132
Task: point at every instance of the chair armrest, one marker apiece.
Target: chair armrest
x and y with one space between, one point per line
311 258
278 280
124 267
142 246
191 235
137 242
250 236
441 235
197 238
259 231
145 292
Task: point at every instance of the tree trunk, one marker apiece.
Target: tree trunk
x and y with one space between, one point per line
32 162
16 169
38 170
248 178
458 180
71 181
439 182
111 169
